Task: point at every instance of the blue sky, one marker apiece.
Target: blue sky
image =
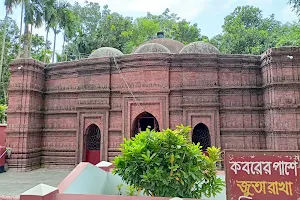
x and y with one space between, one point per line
208 14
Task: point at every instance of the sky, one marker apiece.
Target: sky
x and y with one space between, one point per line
208 14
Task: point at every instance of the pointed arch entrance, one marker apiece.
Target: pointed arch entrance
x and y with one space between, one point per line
142 121
92 142
201 135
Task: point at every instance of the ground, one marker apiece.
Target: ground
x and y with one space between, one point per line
15 183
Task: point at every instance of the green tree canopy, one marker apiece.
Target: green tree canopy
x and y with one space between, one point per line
245 31
168 164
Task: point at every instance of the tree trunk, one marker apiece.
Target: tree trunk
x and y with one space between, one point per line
21 26
63 48
45 50
30 41
3 47
26 42
53 53
4 90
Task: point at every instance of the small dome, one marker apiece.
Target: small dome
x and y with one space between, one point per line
152 48
106 52
200 47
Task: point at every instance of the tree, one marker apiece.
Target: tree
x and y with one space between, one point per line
33 12
10 51
40 50
65 21
245 31
186 33
289 35
114 31
9 4
143 29
49 17
176 28
34 17
168 164
295 6
100 28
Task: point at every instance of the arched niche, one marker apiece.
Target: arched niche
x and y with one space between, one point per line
142 121
201 135
92 144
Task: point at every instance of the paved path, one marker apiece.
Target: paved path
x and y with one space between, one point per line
15 183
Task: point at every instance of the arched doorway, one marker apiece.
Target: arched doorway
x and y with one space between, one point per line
201 135
92 144
142 121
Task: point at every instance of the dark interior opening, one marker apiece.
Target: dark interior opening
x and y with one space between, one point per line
146 122
201 135
143 121
93 137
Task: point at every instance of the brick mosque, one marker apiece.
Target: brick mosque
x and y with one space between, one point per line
64 113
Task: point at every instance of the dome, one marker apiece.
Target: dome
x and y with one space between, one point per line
105 52
200 47
152 48
173 45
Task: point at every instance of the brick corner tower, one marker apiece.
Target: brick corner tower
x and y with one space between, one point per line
25 114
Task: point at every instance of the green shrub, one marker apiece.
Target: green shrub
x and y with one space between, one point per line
168 164
3 109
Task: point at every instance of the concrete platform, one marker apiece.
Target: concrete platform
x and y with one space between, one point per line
15 183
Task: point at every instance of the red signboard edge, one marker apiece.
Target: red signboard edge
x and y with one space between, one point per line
226 151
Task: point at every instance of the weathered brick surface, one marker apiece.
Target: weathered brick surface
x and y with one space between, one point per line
247 102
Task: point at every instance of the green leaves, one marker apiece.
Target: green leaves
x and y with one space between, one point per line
168 164
245 31
295 6
3 109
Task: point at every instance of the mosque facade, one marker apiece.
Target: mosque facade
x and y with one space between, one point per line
65 113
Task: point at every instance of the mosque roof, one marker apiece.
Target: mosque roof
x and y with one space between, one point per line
105 52
200 47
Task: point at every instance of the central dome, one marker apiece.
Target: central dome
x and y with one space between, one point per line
152 48
172 45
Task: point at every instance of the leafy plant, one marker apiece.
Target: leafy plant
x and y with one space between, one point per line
168 164
3 109
132 190
119 187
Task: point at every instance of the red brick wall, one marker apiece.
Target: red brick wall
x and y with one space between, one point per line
244 100
281 78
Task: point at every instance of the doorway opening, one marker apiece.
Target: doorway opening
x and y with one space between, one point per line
143 121
92 144
201 135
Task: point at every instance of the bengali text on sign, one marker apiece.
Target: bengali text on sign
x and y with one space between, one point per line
262 175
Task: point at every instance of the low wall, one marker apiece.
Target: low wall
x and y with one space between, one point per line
2 134
9 197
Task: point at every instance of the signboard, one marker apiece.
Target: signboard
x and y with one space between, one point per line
262 175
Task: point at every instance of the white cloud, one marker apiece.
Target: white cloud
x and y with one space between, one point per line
288 15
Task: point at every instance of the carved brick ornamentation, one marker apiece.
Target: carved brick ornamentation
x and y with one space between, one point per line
247 102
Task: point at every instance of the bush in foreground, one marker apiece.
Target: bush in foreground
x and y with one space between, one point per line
168 164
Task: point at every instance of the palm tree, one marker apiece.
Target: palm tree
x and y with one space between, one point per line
50 18
33 17
65 21
9 4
